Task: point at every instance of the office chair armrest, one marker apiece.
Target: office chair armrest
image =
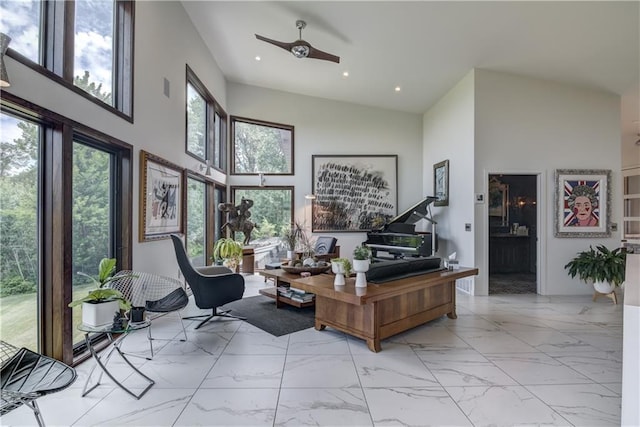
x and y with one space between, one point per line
213 270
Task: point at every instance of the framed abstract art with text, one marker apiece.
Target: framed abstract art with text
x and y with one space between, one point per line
161 193
583 203
353 193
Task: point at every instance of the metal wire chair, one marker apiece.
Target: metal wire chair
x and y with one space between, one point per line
157 294
27 375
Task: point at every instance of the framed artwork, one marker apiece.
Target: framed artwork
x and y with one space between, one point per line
583 203
441 183
161 194
353 193
499 200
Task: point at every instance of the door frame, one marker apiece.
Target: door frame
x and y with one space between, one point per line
542 206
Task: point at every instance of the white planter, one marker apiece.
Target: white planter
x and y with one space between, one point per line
603 287
361 266
100 314
338 270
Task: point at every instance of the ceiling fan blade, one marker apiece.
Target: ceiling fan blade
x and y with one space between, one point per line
318 54
283 45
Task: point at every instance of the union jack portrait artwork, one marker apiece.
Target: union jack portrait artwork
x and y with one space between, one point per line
582 203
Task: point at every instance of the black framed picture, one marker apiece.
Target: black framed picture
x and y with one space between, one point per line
441 183
353 193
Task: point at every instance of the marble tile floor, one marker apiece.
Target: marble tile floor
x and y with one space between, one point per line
506 360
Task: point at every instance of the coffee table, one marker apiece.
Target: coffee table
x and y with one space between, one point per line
380 311
281 278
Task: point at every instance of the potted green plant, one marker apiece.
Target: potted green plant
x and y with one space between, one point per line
100 304
340 267
361 261
292 237
603 267
229 251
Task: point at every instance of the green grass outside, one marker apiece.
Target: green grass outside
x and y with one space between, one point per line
18 318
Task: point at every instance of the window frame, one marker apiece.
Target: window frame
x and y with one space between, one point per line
213 219
232 142
215 145
234 188
55 219
57 34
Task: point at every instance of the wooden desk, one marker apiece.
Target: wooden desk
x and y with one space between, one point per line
380 311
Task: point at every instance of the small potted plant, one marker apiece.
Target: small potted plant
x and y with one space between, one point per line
290 240
229 251
602 267
361 261
100 304
340 267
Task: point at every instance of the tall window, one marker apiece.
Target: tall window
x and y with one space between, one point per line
93 48
219 196
261 147
196 123
65 203
92 220
196 238
91 54
21 21
272 211
19 213
206 131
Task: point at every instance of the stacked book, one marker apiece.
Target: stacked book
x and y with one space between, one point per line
295 294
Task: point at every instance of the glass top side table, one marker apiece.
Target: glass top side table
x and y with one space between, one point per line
103 360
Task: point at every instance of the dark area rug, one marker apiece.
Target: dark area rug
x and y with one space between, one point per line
512 283
262 313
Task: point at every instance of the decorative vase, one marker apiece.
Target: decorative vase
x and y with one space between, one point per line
291 255
99 314
361 266
603 287
338 270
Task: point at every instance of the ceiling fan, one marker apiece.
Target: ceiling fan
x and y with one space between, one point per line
301 48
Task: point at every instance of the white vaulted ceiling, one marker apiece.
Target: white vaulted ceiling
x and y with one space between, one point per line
425 47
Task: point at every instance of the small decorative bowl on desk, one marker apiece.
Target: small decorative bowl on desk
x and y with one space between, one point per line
319 269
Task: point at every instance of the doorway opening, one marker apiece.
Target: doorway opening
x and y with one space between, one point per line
513 227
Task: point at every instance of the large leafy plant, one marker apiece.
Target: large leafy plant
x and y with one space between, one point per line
229 251
599 265
106 269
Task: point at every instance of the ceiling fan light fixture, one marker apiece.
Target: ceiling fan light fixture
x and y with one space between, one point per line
300 51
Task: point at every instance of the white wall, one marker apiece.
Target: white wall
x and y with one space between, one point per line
330 127
448 133
165 43
530 125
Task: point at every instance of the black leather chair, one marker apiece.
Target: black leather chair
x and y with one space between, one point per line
212 286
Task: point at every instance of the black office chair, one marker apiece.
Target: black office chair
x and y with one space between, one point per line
212 286
27 375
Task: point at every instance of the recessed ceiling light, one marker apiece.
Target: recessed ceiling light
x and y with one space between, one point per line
258 58
397 89
345 74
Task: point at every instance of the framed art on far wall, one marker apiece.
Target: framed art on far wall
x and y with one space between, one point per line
441 183
583 203
353 193
161 194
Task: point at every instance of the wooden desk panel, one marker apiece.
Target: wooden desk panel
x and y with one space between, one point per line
380 311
